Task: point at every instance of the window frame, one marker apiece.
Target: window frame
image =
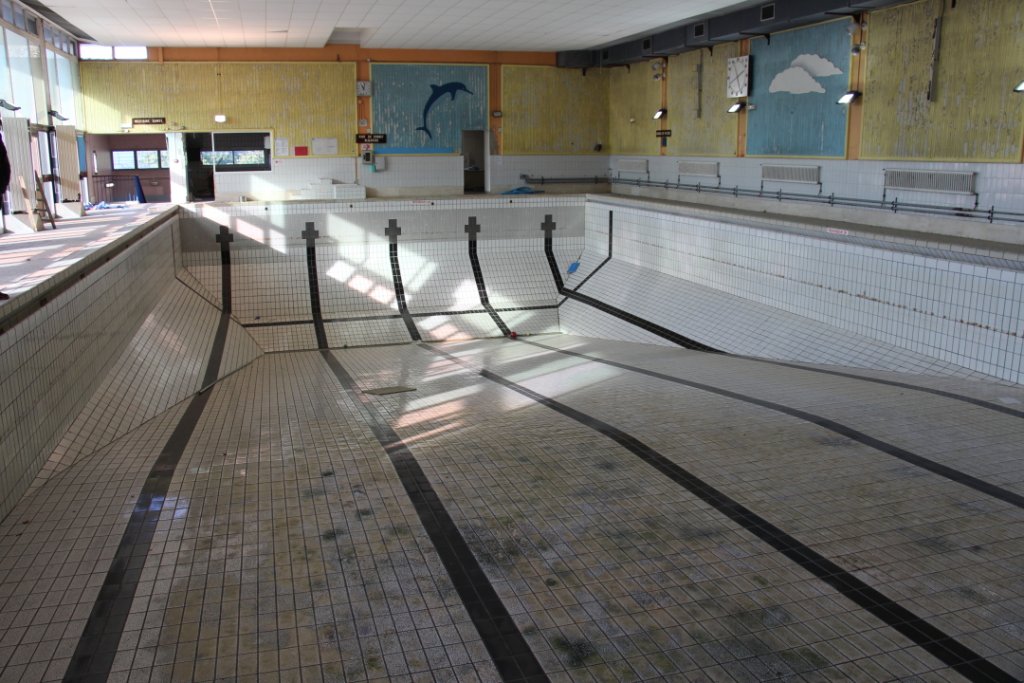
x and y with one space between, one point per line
162 156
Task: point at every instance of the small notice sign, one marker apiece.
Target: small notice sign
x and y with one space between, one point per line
149 120
663 133
371 138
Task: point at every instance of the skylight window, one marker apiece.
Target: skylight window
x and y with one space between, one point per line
106 52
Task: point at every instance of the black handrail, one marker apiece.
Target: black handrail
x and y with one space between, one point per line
990 214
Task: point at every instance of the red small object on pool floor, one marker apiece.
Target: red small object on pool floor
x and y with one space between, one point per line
512 335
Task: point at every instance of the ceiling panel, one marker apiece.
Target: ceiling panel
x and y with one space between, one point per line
514 25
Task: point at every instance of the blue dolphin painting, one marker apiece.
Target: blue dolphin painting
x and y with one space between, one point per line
440 91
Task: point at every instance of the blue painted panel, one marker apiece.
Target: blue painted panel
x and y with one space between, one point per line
82 163
795 82
423 108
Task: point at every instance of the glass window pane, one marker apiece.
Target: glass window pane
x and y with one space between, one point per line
164 162
30 25
219 158
7 12
91 51
66 74
5 72
249 156
23 90
130 52
147 158
123 160
19 17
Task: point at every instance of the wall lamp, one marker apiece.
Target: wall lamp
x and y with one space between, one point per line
660 113
220 118
848 97
56 114
8 106
1019 88
736 107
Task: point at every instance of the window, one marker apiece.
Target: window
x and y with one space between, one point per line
123 161
238 152
149 158
90 51
130 52
142 159
164 159
106 52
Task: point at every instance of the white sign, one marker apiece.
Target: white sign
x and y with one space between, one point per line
281 147
325 146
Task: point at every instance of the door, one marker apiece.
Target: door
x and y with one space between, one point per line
176 166
198 176
473 160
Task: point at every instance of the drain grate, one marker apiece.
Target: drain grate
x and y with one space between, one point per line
385 391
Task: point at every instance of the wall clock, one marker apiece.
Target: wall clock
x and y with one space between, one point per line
738 76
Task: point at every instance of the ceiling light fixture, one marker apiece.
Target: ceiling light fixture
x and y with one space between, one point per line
660 113
848 97
736 107
220 118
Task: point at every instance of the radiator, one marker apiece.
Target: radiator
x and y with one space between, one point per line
791 174
700 168
952 182
631 165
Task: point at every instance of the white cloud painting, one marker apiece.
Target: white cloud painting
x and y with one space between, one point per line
817 66
801 76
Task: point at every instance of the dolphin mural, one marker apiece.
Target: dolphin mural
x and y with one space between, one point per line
440 91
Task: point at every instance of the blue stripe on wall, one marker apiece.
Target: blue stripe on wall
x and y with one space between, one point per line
795 82
423 108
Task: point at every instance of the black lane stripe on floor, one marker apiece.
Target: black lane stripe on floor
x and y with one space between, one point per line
906 456
472 228
611 218
979 402
396 316
310 234
392 232
943 647
507 646
225 238
97 647
643 324
548 226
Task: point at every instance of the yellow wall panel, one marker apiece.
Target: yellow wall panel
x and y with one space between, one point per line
297 101
547 110
975 117
633 96
714 133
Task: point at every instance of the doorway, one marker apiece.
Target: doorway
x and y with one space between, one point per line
473 161
198 176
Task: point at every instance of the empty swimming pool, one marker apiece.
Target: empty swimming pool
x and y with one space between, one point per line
265 442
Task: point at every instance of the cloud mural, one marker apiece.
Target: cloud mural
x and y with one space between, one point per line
801 76
794 83
817 66
795 80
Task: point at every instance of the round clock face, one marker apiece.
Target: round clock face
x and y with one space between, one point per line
738 71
